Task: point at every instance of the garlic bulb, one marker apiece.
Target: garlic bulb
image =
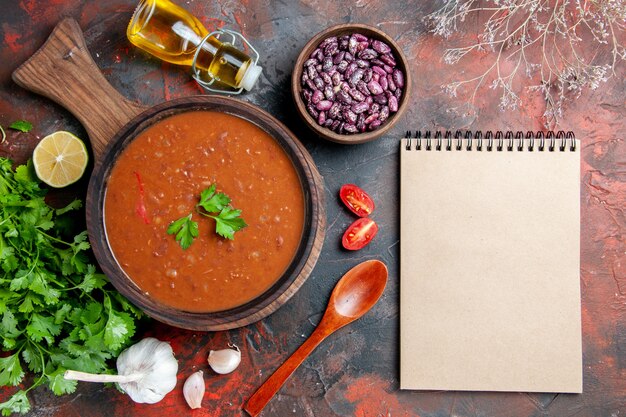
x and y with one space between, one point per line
193 390
146 371
226 360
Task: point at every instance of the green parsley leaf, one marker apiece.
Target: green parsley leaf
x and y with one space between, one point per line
60 385
42 327
186 230
74 205
11 372
18 403
32 357
213 202
228 222
21 125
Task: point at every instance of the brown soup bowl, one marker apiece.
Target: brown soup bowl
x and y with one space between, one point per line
302 262
64 71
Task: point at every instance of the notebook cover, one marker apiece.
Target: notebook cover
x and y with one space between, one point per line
489 285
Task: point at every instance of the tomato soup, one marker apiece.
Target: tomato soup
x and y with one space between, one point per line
158 179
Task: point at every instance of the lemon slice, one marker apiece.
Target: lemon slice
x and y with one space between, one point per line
60 159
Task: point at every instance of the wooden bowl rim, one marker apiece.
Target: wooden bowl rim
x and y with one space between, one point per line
296 87
305 258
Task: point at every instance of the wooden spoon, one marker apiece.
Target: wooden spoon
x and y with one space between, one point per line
355 293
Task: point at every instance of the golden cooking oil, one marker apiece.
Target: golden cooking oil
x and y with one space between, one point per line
172 34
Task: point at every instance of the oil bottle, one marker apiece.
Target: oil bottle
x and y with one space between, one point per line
172 34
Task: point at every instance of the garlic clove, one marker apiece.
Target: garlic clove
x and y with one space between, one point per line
226 360
193 390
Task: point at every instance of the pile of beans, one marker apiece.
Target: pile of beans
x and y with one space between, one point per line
351 83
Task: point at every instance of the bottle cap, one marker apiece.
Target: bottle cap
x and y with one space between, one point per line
251 76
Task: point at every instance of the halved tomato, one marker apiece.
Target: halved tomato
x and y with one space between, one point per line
359 233
357 200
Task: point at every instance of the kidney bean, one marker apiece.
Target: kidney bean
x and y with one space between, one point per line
374 108
351 68
314 53
335 125
305 78
362 87
349 116
383 83
311 72
377 62
342 66
369 119
378 70
343 42
384 114
336 78
374 125
317 97
362 64
344 97
388 69
360 123
357 75
350 128
339 57
370 101
361 38
352 44
328 122
319 83
310 62
391 83
380 99
380 47
398 93
335 111
311 85
374 87
362 46
359 108
321 119
388 59
349 57
393 104
331 49
324 105
329 93
356 94
368 53
344 86
341 126
375 77
398 78
367 77
307 95
326 78
319 55
328 41
312 111
327 64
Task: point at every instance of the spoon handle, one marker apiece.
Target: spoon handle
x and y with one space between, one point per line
264 394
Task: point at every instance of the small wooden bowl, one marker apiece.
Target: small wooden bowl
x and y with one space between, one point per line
296 86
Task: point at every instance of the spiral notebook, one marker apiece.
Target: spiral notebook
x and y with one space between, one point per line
489 274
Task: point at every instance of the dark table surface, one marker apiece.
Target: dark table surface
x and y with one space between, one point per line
355 372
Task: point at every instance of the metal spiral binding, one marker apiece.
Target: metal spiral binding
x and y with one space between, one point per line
520 141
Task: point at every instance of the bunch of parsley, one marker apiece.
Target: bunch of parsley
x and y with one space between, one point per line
56 311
